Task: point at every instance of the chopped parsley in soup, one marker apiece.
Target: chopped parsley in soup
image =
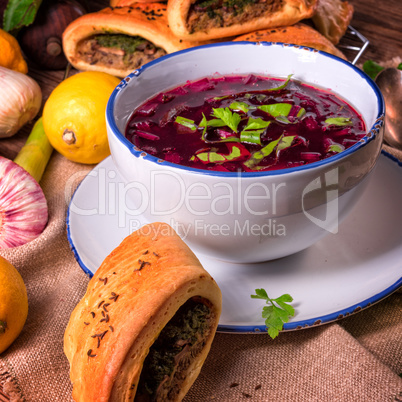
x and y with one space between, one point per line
244 123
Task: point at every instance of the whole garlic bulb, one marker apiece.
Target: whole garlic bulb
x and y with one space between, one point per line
20 101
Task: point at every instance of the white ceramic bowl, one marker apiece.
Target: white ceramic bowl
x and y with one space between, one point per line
247 217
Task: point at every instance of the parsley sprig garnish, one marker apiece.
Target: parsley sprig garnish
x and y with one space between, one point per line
232 120
277 312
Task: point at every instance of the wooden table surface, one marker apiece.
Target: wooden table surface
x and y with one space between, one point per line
379 22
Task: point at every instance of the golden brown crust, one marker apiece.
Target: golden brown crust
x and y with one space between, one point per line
291 12
146 20
133 305
298 34
332 18
125 3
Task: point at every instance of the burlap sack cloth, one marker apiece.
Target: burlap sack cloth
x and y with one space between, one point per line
356 359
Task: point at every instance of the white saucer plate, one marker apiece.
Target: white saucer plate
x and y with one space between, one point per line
338 276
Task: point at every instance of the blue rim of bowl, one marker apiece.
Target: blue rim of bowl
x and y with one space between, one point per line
371 134
290 326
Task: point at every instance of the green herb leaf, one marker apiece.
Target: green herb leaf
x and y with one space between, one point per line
285 142
211 157
276 313
216 123
281 314
251 136
287 307
267 311
371 68
273 332
203 123
285 298
222 97
234 154
232 120
186 123
260 294
20 13
256 124
338 121
335 148
258 156
242 106
216 157
283 86
283 119
276 109
301 112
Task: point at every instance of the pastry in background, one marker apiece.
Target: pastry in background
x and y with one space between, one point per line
212 19
298 34
146 322
119 40
332 18
126 3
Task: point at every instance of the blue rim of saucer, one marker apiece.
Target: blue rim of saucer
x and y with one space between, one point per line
371 133
290 326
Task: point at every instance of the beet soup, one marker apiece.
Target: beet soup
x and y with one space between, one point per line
244 123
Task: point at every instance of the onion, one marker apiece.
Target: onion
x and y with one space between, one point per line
23 206
20 101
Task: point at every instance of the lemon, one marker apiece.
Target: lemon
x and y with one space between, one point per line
13 304
11 55
74 116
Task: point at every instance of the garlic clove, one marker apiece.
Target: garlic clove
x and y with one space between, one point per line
23 206
20 101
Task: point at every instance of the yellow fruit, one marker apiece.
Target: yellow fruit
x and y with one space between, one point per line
10 54
74 116
13 304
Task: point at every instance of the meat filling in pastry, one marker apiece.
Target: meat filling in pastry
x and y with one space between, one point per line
197 20
118 50
182 339
207 14
121 39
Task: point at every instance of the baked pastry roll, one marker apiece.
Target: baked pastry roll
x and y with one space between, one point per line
298 34
125 3
119 40
211 19
332 18
146 322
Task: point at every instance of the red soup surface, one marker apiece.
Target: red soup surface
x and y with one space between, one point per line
244 123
